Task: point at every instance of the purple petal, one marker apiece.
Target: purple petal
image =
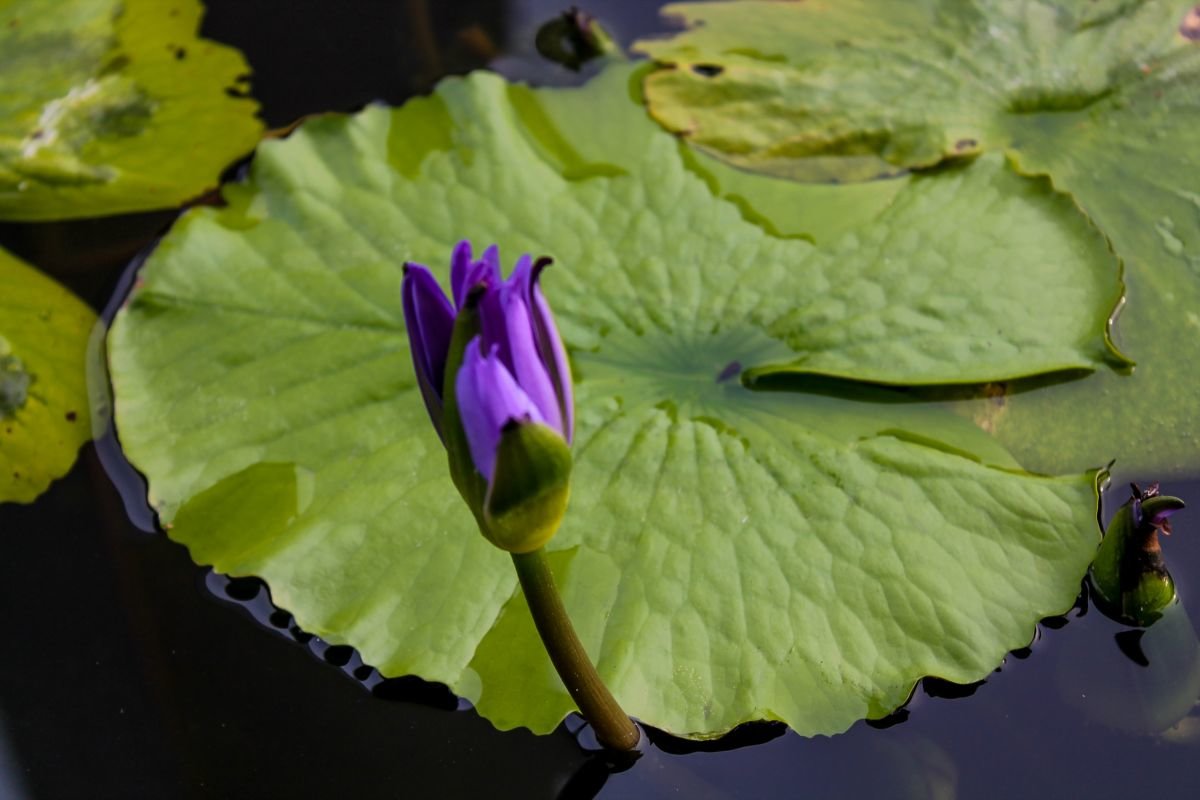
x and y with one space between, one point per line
465 273
460 265
1163 515
491 263
488 398
430 321
1135 512
523 357
492 326
550 346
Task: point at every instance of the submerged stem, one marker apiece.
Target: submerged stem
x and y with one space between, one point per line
613 726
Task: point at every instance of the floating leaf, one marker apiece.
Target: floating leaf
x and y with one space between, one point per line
866 87
728 554
1133 167
44 415
1103 98
112 106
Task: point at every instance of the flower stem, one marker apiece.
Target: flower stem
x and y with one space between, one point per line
613 726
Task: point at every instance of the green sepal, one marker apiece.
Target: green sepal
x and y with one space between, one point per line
531 484
467 480
1153 506
1129 577
1105 571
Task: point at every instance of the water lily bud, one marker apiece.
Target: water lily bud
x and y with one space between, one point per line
505 413
1129 577
573 38
430 321
497 384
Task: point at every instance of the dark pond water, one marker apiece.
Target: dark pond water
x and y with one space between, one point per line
129 672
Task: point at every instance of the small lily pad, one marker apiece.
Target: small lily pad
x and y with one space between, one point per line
113 106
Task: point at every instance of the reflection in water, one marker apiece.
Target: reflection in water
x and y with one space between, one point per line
1150 688
128 482
1157 684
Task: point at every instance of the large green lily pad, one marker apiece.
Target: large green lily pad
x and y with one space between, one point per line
729 554
1103 98
112 106
44 416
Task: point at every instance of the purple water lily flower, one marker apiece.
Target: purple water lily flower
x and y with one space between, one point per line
496 381
514 371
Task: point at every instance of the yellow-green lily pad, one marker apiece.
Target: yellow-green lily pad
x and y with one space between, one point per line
44 415
114 106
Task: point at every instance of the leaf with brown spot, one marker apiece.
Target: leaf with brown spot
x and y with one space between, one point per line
113 106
